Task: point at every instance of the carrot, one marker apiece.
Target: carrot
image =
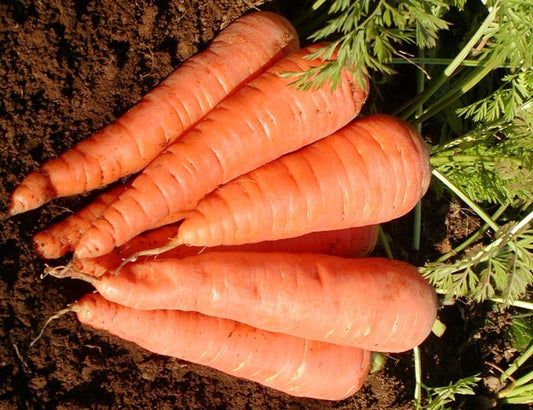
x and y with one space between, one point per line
241 51
296 366
265 119
373 303
62 237
350 242
372 171
58 239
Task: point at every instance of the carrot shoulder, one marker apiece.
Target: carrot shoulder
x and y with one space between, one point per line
372 303
350 242
289 364
242 50
263 120
372 171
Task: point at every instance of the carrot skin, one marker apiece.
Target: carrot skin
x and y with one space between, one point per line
240 52
351 242
263 120
372 303
372 171
298 367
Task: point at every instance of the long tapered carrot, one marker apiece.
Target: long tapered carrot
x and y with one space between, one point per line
296 366
350 242
373 170
242 50
265 119
62 237
374 303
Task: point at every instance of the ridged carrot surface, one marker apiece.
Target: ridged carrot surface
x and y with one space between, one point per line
289 364
350 242
372 171
263 120
241 51
373 303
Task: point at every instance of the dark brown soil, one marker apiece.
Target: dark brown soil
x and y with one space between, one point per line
68 68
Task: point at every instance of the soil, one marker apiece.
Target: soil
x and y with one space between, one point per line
68 68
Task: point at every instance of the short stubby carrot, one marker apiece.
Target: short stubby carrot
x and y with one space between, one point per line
298 367
240 52
350 242
372 171
266 118
373 303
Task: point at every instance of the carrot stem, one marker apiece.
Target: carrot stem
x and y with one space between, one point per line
417 222
385 242
477 209
517 363
464 85
524 304
412 106
418 378
416 243
472 238
440 61
439 159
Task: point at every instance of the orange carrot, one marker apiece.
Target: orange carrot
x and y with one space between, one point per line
373 303
298 367
373 170
241 51
350 242
58 239
62 237
263 120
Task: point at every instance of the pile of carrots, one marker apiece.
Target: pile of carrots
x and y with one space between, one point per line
243 241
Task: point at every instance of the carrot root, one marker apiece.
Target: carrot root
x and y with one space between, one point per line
298 367
372 303
172 244
351 242
373 170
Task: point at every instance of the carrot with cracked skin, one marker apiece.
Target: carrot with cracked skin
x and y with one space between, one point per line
240 52
266 118
299 367
350 242
373 303
372 171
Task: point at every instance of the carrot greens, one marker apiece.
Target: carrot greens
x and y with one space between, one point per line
474 103
368 34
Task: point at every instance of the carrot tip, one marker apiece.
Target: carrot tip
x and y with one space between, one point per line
34 191
57 315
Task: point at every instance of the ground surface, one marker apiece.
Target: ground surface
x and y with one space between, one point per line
67 69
